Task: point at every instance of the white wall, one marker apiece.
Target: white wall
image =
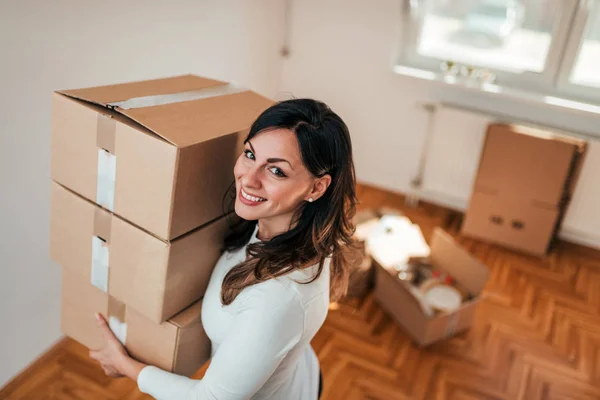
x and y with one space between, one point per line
342 51
49 45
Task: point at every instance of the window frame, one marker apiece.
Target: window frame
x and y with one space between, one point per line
567 35
571 55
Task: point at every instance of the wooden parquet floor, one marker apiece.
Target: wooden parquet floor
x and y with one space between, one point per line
536 336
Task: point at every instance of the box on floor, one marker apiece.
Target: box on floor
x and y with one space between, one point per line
159 153
395 297
525 181
157 278
179 345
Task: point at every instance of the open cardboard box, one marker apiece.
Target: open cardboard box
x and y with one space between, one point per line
157 278
179 345
158 153
394 296
524 184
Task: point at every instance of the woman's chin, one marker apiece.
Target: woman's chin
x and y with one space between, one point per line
245 212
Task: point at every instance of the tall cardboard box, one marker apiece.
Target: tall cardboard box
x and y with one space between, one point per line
395 298
178 345
159 153
157 278
524 184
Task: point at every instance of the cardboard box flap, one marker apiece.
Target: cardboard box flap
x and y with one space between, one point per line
103 95
548 134
188 316
183 110
449 256
189 122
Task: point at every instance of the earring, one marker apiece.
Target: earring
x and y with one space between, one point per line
310 199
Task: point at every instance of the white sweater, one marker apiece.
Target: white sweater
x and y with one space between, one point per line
260 342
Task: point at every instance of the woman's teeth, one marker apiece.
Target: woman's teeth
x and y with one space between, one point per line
252 198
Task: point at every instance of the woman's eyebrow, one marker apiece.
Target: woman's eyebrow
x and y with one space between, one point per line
271 160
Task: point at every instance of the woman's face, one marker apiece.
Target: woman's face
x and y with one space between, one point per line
270 178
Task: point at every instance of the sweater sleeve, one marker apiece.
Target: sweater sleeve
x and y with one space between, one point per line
265 329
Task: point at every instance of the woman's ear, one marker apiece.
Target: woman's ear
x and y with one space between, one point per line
319 187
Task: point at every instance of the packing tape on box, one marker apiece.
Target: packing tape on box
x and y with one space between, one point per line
102 224
105 186
100 257
452 323
162 99
116 319
105 133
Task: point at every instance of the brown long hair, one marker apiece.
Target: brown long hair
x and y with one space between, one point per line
322 228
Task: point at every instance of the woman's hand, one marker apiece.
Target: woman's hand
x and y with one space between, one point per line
112 357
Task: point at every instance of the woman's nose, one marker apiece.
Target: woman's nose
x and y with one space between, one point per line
251 179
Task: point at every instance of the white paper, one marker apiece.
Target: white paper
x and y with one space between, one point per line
395 239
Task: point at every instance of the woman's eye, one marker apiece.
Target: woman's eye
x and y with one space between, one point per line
249 154
278 172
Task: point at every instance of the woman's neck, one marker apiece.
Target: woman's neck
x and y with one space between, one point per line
270 227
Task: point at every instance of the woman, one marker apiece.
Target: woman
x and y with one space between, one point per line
270 290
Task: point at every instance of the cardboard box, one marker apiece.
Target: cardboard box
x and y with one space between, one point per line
157 278
525 181
159 153
178 345
527 164
518 225
394 296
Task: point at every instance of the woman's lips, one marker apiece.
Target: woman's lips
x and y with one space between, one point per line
246 201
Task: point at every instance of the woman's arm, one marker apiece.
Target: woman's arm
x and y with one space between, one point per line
269 324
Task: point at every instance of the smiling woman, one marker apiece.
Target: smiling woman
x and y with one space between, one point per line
294 194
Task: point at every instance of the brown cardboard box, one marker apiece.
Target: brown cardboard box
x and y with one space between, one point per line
158 153
512 223
178 345
394 296
525 181
157 278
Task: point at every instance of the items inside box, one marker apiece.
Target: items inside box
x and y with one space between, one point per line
435 290
399 246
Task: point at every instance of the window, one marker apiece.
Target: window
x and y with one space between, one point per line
544 46
588 60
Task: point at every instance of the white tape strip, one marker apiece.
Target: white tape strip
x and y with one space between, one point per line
452 322
161 99
105 187
100 258
118 328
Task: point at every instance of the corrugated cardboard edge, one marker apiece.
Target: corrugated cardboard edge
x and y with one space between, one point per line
185 321
173 186
168 242
570 185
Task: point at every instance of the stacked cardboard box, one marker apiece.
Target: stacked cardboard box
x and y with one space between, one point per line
139 173
524 184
